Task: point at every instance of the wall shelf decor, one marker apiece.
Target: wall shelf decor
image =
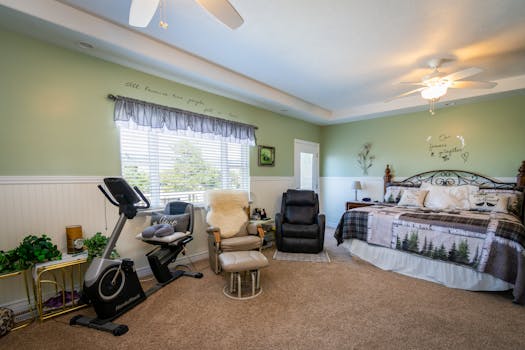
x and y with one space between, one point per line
364 158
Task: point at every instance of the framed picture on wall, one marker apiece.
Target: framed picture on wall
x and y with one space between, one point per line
266 156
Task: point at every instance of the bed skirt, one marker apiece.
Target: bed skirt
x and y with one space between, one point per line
450 275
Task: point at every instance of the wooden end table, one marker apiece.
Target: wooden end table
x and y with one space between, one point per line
354 204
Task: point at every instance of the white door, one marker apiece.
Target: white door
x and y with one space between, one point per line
306 165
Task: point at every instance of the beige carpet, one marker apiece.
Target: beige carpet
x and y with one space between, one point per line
347 304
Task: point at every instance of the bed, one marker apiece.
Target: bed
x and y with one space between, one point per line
456 228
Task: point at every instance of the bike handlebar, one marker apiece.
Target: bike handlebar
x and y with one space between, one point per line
107 195
117 204
144 199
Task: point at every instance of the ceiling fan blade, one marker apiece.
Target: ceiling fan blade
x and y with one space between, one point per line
406 94
223 11
463 74
412 83
141 12
466 84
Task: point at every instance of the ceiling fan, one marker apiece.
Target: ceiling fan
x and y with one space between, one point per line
141 12
435 85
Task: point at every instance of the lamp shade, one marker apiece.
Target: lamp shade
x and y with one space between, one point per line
356 185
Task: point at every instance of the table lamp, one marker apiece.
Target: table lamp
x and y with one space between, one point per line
356 185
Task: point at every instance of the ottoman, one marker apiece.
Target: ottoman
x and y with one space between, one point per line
240 265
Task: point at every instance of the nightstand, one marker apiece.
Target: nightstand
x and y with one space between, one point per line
353 204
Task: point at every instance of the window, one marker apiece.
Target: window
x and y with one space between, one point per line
166 166
306 164
173 166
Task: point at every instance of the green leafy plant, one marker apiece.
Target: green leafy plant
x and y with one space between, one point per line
6 261
96 246
32 250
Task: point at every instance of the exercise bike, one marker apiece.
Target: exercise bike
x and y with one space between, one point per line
112 286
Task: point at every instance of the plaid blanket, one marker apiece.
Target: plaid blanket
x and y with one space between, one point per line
352 225
512 231
492 243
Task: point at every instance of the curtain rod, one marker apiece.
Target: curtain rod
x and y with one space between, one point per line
114 98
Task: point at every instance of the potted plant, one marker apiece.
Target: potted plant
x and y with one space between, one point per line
6 261
96 245
31 250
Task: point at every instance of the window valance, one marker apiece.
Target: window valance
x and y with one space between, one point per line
149 115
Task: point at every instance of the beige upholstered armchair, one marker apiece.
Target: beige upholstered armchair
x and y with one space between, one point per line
229 228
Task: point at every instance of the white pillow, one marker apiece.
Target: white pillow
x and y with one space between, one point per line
489 202
448 197
413 198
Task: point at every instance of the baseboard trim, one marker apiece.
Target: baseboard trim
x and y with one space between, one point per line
20 309
331 224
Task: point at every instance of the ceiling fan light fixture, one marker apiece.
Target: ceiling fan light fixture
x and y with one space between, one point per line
434 92
435 85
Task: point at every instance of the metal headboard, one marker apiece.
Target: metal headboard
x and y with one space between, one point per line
454 178
460 177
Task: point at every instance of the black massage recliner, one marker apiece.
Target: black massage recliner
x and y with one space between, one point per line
299 226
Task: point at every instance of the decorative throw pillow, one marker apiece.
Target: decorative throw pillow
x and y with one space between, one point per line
393 194
515 199
489 202
448 197
179 222
413 198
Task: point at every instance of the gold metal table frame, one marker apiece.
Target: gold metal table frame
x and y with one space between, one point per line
61 275
25 275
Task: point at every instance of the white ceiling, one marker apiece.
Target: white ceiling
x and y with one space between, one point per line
325 61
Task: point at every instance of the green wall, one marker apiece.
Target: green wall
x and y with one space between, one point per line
56 120
493 131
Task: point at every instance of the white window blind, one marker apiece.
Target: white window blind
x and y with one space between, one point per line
166 166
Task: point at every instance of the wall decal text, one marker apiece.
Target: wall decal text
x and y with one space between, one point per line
445 147
198 105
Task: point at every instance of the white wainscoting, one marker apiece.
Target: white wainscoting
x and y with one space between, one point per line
47 204
267 191
336 191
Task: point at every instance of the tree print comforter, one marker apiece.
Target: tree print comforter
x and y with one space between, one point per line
487 242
